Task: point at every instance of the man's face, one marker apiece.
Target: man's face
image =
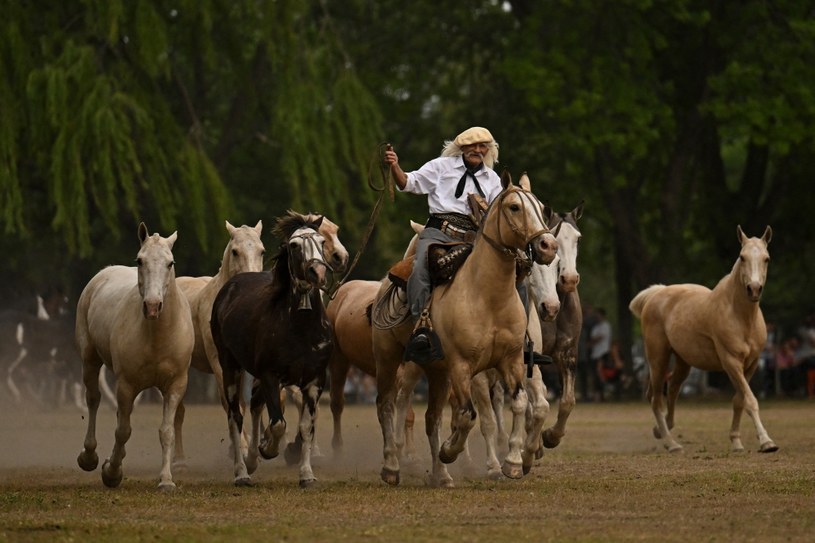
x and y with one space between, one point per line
474 153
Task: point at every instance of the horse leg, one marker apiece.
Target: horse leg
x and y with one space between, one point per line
386 368
566 361
680 373
658 356
179 459
270 388
338 368
513 462
536 411
88 459
403 439
744 399
308 416
252 454
489 428
463 417
497 394
232 392
173 397
112 468
437 395
12 386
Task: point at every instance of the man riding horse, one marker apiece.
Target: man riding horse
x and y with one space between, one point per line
464 167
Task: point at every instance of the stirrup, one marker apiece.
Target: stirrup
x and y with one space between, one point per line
424 345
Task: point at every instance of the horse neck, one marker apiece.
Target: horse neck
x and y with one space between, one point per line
732 294
487 266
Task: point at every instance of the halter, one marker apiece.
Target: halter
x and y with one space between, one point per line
524 258
313 240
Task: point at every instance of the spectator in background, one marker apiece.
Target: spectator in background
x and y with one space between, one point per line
600 342
765 384
612 371
785 364
805 357
585 371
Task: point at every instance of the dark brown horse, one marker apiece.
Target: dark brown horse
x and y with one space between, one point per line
273 325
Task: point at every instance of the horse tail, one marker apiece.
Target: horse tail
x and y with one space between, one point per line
640 299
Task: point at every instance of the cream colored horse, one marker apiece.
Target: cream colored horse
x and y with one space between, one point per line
243 253
135 321
713 330
480 320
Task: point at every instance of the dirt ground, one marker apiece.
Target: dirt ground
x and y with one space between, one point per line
609 480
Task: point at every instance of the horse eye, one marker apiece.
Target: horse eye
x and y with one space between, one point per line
138 262
263 252
234 252
514 207
741 258
171 264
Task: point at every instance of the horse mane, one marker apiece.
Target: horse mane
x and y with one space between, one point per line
287 224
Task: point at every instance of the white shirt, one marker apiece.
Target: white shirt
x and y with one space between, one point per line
601 335
439 179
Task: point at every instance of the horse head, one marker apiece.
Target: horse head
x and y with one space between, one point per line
543 289
245 250
156 270
515 222
336 254
568 238
751 267
304 251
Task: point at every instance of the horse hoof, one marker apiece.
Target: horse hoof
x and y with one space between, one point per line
539 453
494 474
180 465
549 439
167 487
88 461
446 483
446 457
266 454
243 481
111 480
768 447
737 450
390 476
308 483
675 448
292 454
512 470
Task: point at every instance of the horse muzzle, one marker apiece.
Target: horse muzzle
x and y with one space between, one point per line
568 282
548 311
151 309
754 291
544 249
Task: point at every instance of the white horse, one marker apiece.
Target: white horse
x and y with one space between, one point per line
135 321
713 330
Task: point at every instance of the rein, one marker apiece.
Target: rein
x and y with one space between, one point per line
385 188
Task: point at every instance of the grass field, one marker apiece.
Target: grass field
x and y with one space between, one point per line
609 480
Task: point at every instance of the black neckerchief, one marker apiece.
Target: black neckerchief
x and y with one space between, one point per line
463 180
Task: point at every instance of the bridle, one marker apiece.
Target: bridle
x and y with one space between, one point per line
524 258
312 251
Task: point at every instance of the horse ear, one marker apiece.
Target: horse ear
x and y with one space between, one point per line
143 233
740 234
259 227
319 221
171 239
578 211
768 235
524 182
417 227
229 228
506 179
547 214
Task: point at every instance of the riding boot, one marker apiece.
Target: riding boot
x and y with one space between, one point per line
424 345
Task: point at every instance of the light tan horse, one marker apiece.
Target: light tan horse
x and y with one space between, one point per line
713 330
135 321
480 320
243 253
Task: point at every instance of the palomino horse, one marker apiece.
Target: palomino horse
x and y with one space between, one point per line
243 253
135 321
713 330
481 323
273 325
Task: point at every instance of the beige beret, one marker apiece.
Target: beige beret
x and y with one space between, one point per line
476 134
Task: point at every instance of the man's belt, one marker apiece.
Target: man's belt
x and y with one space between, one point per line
453 224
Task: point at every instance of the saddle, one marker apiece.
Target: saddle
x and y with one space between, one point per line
443 261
